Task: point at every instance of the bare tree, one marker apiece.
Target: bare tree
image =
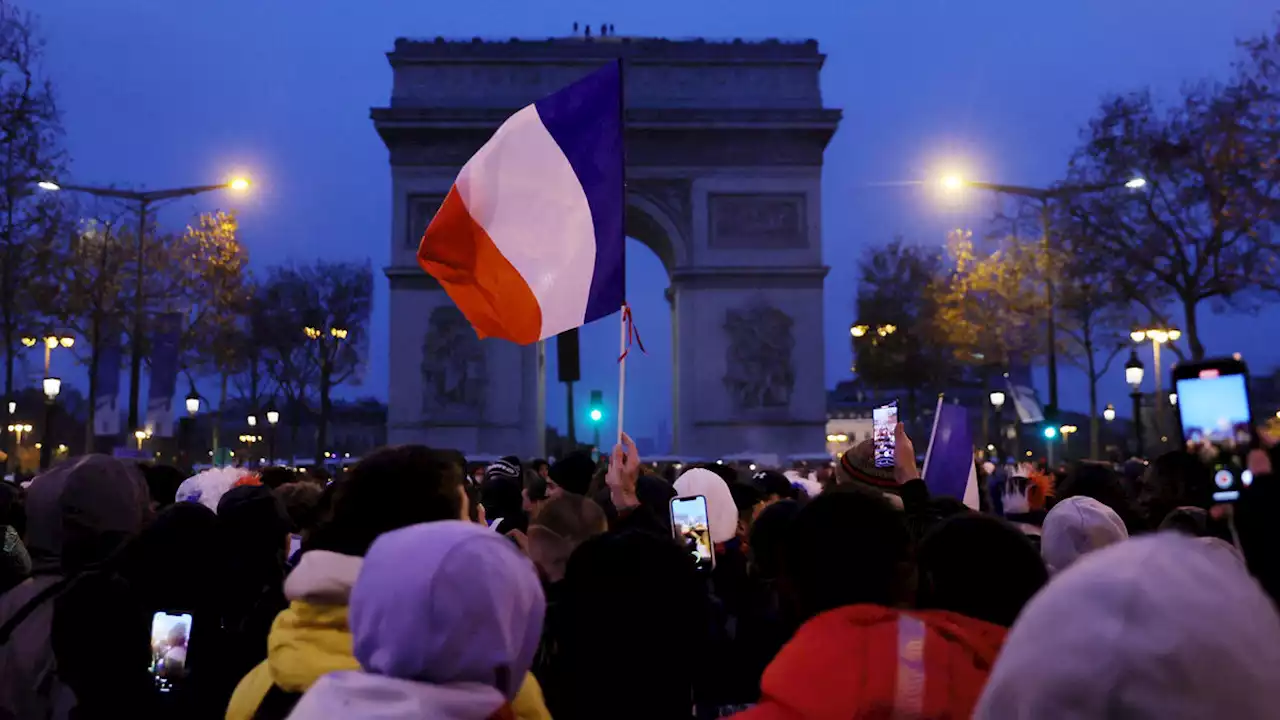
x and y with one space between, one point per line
30 151
326 307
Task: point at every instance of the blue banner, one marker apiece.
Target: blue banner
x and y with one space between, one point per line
164 374
106 400
948 464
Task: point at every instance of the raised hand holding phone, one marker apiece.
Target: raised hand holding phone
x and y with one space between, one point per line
904 458
624 472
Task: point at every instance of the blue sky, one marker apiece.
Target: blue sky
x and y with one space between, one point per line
159 93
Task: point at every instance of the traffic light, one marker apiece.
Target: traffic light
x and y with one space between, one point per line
1050 432
596 409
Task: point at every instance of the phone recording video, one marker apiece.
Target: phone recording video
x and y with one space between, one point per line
884 420
1217 425
170 635
689 524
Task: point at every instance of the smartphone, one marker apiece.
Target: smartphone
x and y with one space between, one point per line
170 635
690 527
1216 422
884 421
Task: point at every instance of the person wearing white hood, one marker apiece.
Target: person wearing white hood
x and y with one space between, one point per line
1076 526
451 640
1158 627
722 513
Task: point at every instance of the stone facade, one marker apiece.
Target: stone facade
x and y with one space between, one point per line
724 145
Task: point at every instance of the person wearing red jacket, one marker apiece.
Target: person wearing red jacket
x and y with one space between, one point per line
846 570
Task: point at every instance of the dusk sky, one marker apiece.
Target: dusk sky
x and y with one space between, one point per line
160 94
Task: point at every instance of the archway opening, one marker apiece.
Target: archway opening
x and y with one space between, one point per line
648 408
650 411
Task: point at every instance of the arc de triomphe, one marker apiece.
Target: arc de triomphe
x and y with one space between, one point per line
724 143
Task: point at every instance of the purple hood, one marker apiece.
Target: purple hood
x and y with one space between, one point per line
447 602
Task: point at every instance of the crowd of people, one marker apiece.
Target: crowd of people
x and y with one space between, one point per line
413 588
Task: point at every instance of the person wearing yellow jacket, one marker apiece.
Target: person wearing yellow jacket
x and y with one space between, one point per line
389 489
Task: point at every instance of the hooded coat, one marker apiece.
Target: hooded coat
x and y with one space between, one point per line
1163 626
79 515
452 641
867 661
312 638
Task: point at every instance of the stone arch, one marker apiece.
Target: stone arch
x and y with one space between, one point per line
652 225
724 150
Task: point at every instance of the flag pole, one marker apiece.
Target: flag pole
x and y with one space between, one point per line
624 317
622 368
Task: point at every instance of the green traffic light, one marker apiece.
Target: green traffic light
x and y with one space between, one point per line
1050 432
596 415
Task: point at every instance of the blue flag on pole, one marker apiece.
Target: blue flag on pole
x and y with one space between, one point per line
164 374
106 399
948 465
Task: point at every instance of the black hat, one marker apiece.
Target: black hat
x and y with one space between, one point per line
772 482
507 467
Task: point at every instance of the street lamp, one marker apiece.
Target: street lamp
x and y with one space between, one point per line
193 402
52 386
253 420
144 200
19 429
1133 372
273 417
1173 399
1109 413
954 183
997 401
1158 337
50 342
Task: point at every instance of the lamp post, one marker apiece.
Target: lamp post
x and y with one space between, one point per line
1044 196
1067 431
18 430
329 343
52 386
188 423
1109 413
997 402
144 200
1133 372
1158 337
273 417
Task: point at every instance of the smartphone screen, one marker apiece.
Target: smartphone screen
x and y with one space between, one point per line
884 420
1217 426
170 634
690 526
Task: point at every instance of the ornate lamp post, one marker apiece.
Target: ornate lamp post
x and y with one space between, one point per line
52 386
1133 372
273 417
997 402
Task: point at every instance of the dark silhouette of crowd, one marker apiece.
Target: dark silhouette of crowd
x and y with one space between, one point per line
414 586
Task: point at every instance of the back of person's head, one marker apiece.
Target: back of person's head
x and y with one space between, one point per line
390 488
275 476
629 598
563 523
503 498
1174 479
722 512
768 534
1191 521
1102 483
573 473
319 474
1075 526
1161 626
172 563
845 547
979 566
301 502
773 485
746 498
162 483
82 511
470 611
725 472
13 509
253 523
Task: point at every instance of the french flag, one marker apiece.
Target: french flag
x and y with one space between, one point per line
529 241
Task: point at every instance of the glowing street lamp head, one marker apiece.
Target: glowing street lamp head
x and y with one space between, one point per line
239 184
952 183
48 185
1136 183
858 330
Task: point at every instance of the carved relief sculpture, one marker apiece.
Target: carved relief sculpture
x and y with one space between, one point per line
758 222
454 372
760 373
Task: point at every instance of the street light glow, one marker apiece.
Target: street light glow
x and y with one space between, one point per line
48 185
952 183
239 183
1109 413
1136 183
858 330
